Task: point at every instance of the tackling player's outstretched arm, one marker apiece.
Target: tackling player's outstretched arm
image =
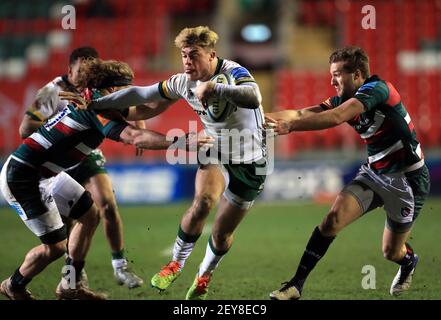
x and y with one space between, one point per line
147 139
128 97
281 121
329 118
149 110
292 114
313 118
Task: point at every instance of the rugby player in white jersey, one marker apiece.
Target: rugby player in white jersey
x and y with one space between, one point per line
91 173
236 180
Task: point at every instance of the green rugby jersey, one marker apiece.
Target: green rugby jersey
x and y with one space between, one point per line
66 139
385 126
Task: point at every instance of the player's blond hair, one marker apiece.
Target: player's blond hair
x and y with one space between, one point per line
97 73
200 36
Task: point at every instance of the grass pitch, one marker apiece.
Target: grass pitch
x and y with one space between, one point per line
267 247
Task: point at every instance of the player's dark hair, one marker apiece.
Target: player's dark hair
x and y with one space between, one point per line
354 58
83 53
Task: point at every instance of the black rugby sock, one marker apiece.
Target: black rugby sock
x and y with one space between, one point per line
407 261
18 281
315 250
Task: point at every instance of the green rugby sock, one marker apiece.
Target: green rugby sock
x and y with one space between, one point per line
118 255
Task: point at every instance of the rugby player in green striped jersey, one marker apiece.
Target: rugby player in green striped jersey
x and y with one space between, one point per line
33 181
394 175
91 173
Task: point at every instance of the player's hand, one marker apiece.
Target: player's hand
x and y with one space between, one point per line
194 142
200 142
280 126
205 91
81 103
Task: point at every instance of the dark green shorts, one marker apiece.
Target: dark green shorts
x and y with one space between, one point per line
92 165
244 181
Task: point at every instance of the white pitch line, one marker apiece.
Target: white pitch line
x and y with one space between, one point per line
169 250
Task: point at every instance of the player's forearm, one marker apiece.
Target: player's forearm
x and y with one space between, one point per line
151 140
144 139
318 119
308 111
294 114
315 121
125 98
150 110
244 96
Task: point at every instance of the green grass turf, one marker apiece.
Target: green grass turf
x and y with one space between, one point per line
267 248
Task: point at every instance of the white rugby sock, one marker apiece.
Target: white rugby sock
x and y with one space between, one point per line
181 251
211 260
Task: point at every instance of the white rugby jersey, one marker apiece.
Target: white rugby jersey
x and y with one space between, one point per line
47 99
241 135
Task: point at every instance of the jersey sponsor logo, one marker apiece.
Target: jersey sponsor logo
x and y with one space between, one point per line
364 121
200 112
17 207
57 118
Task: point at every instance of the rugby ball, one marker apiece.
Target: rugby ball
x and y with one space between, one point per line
219 109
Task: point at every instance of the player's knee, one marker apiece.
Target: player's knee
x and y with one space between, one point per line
203 204
109 210
332 224
91 217
55 250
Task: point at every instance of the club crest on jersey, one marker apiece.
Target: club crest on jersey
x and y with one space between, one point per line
219 109
57 118
405 212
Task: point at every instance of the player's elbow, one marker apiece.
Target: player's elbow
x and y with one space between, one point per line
254 103
252 98
256 99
